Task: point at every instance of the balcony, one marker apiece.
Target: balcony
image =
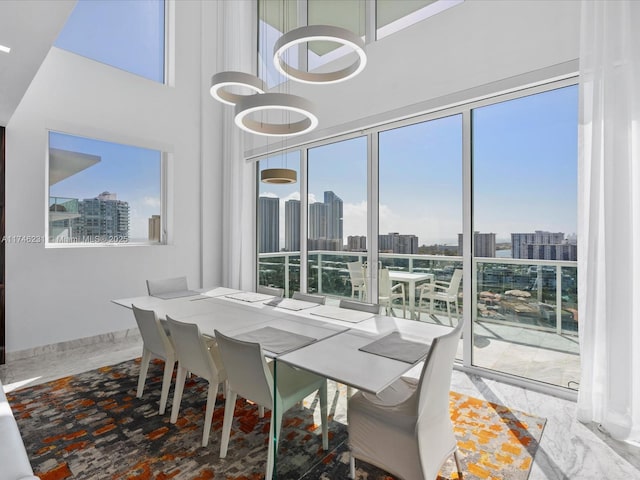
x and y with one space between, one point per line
525 317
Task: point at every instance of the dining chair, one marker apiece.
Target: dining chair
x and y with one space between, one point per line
251 377
155 343
361 306
200 356
310 297
166 285
406 429
446 292
275 291
388 293
356 276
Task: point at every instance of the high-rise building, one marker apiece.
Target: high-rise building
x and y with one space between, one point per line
542 245
292 225
484 244
102 219
326 223
394 242
357 243
334 215
268 224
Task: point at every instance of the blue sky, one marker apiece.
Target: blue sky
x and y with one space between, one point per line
524 172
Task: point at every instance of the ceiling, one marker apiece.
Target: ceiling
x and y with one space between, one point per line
29 28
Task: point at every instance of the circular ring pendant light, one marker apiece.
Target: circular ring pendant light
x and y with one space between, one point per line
278 176
275 102
234 79
312 33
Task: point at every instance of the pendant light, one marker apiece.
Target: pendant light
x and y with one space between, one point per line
311 33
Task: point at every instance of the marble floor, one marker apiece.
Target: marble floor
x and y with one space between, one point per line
568 449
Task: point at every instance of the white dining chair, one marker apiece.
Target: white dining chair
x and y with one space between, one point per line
251 377
167 285
406 429
310 297
155 344
275 291
200 356
361 306
446 292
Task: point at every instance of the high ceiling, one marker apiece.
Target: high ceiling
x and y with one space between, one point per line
29 28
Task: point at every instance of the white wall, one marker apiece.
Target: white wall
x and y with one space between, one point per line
446 58
59 294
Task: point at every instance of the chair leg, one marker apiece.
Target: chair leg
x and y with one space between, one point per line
352 466
229 408
177 393
323 416
260 411
169 363
455 457
212 393
144 368
449 312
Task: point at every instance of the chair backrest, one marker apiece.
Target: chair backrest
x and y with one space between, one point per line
192 350
356 273
435 380
454 285
309 297
384 282
276 292
247 371
167 285
362 306
153 335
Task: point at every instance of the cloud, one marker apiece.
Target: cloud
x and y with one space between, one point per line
151 202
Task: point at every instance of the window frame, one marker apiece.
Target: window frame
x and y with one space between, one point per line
166 157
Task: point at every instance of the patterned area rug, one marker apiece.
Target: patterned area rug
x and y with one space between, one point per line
91 426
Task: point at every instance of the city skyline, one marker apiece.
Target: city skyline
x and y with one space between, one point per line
524 172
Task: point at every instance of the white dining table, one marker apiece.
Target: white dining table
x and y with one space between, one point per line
336 337
412 279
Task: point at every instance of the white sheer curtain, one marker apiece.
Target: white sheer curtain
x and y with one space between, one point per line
236 25
609 217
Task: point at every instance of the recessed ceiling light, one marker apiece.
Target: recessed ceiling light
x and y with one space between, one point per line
5 49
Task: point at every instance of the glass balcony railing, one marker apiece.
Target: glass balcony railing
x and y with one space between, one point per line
525 316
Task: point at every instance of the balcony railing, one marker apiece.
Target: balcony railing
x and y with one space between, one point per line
533 294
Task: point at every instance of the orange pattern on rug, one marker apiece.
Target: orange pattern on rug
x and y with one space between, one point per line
91 426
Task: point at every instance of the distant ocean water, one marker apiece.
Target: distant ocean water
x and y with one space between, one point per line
503 253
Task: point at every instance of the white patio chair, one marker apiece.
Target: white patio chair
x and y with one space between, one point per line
251 377
200 356
442 291
406 429
388 293
155 343
356 276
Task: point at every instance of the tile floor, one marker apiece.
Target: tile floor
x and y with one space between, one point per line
568 449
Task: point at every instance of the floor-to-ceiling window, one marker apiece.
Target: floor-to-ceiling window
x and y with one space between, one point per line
420 215
278 223
525 245
337 214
